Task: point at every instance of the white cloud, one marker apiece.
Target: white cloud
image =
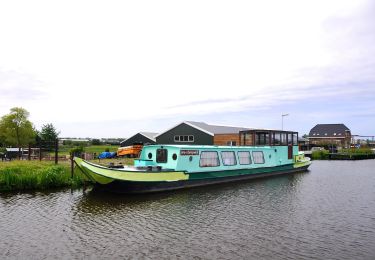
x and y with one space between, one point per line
134 60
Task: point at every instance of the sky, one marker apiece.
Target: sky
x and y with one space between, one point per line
115 68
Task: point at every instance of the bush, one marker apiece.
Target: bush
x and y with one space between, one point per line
77 151
320 155
95 142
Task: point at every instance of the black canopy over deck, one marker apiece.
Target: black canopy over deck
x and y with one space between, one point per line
268 137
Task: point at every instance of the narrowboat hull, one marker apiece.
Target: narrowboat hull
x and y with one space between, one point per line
129 187
132 182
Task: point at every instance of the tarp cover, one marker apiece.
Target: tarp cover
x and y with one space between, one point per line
107 155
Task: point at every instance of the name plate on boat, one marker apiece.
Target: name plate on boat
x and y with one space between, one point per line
189 152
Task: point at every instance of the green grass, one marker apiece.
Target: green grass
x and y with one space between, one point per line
100 148
35 175
65 149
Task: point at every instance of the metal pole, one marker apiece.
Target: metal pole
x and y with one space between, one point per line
282 120
71 165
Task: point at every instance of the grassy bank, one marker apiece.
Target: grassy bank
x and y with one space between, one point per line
345 154
35 175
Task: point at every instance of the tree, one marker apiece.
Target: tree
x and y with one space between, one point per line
95 142
16 129
48 133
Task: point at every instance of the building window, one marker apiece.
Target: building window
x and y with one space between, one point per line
228 158
231 143
209 159
258 157
161 155
244 157
184 138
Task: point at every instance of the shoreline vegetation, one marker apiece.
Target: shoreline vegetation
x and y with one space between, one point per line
345 154
35 175
23 175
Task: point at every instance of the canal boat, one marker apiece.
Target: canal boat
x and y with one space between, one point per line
169 167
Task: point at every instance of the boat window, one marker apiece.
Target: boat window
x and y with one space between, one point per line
149 155
161 155
290 140
295 139
258 157
244 157
283 139
248 139
228 158
174 157
276 138
209 159
262 138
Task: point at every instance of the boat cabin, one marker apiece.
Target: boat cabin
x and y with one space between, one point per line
256 137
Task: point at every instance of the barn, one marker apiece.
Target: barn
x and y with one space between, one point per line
140 138
200 133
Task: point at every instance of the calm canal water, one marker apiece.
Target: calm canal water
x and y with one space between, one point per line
326 213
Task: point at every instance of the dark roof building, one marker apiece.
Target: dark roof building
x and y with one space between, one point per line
200 133
330 133
140 138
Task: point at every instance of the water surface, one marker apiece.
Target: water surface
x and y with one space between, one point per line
326 213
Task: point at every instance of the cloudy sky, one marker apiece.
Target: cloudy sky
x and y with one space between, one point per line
114 68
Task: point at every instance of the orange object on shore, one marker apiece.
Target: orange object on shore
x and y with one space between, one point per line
131 151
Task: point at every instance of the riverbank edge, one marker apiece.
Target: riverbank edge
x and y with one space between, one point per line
324 155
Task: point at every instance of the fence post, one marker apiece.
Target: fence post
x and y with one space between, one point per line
56 151
40 152
29 154
71 165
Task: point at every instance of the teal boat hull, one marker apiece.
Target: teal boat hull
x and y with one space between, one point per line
196 180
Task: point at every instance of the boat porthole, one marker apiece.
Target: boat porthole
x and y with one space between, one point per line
190 158
149 155
174 156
